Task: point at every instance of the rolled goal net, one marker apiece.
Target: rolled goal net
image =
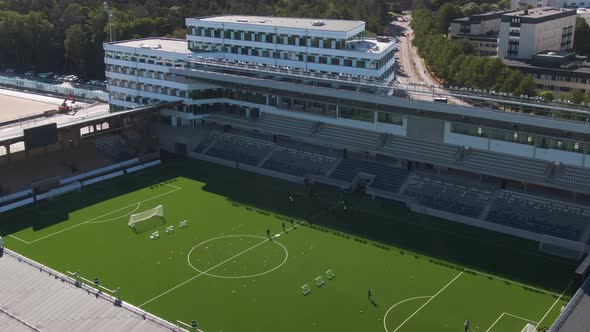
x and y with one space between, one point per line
148 219
562 247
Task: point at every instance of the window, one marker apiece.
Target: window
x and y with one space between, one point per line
390 118
356 114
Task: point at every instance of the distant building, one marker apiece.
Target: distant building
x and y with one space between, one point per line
328 46
528 32
584 13
523 4
481 29
561 72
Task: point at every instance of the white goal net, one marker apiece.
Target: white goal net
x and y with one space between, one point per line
146 215
562 247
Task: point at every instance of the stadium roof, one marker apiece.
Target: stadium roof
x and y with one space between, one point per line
158 44
575 318
288 22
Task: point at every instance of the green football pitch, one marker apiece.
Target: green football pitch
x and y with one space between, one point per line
425 274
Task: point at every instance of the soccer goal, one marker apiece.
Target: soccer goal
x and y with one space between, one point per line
146 220
561 247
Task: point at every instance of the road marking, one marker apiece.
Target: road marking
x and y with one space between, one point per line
432 298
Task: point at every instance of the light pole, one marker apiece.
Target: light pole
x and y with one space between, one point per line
110 15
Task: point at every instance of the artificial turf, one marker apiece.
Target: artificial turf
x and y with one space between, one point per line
426 274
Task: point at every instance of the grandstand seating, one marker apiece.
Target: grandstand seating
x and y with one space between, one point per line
131 136
277 124
298 158
499 163
420 150
441 195
239 148
571 176
113 146
349 138
387 178
207 141
540 214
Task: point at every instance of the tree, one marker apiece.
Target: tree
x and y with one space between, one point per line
76 44
526 87
582 36
446 14
547 95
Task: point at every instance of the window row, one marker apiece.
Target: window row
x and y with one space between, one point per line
263 37
543 142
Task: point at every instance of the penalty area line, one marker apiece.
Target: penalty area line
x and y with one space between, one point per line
93 220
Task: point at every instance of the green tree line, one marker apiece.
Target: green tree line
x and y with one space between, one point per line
452 61
67 35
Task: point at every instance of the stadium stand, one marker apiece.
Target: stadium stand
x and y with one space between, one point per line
31 298
349 138
540 214
246 150
499 163
438 194
420 150
300 161
571 176
285 126
387 178
113 146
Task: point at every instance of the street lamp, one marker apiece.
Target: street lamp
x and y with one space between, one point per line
110 15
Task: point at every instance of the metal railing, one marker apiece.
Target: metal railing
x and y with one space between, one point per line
25 84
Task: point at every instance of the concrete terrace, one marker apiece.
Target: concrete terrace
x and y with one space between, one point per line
31 300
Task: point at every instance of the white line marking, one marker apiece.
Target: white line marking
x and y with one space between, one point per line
21 240
395 305
92 221
554 303
114 218
208 270
521 318
432 298
512 282
509 314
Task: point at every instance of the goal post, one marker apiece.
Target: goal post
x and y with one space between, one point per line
562 247
147 219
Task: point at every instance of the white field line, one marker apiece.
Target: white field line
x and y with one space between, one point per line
432 298
21 240
508 314
212 268
92 221
512 282
395 305
554 303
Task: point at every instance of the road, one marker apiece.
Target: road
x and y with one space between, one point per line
411 70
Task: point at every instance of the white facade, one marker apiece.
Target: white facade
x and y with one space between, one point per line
331 46
525 33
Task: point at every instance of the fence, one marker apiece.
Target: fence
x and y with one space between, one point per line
21 83
98 171
142 166
143 314
14 196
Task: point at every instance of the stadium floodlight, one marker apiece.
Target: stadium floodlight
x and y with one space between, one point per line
110 15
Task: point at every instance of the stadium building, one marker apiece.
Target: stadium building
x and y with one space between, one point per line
268 100
312 101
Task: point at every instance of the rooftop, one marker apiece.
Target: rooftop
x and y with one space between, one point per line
539 12
289 22
163 44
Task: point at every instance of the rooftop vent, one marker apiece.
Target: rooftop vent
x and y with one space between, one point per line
318 23
261 21
242 20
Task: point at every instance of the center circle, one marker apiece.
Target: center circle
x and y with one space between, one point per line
206 271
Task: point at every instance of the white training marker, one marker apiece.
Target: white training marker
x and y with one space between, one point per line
278 235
